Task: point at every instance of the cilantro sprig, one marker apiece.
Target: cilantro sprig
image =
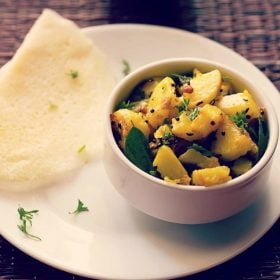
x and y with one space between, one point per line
26 219
126 67
183 105
74 74
80 208
240 120
167 138
193 113
81 149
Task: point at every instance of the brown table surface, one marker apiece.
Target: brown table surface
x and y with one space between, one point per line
250 27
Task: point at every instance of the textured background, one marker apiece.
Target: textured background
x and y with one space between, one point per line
250 27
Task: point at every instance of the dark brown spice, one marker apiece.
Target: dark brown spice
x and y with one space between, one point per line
212 123
152 110
177 119
246 110
223 133
189 134
119 126
199 103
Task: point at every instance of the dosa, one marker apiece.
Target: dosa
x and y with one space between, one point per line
52 95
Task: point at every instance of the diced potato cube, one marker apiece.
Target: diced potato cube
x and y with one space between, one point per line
149 86
239 102
196 73
226 88
162 103
162 131
241 166
211 176
205 88
168 165
182 128
231 142
185 180
192 156
208 120
123 120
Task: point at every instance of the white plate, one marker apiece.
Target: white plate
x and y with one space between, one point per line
113 240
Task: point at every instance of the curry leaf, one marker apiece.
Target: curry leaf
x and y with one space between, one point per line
183 79
240 120
137 149
201 149
262 136
193 113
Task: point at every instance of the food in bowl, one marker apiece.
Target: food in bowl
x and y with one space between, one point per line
186 204
191 128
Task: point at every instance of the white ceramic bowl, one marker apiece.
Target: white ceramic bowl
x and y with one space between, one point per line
185 204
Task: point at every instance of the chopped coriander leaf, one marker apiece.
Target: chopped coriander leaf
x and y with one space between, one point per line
167 138
81 149
153 172
74 74
26 218
182 106
240 120
127 104
194 113
183 79
126 67
80 208
201 149
52 107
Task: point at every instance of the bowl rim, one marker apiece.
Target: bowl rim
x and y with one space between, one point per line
140 74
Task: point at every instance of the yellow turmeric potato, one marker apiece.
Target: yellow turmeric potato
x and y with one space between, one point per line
168 165
208 120
162 103
239 102
149 86
123 120
226 88
205 88
182 128
211 176
192 156
241 166
231 141
162 131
